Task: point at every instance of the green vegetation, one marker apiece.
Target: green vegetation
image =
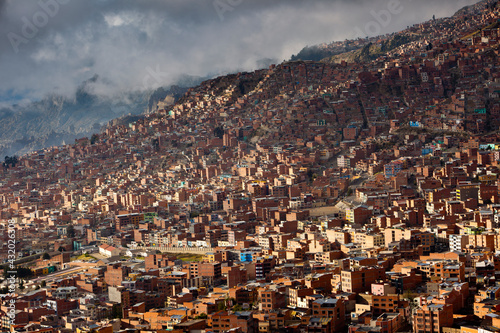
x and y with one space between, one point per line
156 144
201 316
116 311
71 231
188 256
10 161
237 307
392 43
94 138
84 257
478 32
433 132
22 272
371 51
219 132
314 53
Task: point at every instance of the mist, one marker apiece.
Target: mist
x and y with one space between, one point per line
52 46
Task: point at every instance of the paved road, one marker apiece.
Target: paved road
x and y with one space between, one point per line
56 275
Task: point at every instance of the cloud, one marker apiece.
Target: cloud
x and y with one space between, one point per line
51 46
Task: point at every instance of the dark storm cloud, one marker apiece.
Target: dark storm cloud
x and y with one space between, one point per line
51 46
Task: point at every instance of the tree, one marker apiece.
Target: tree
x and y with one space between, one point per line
409 294
156 144
21 272
10 161
43 284
116 311
365 52
237 307
24 272
94 138
60 249
310 175
46 256
201 316
219 132
71 231
221 306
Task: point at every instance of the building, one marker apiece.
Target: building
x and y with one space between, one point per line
331 308
124 220
393 168
465 192
432 318
358 215
65 292
109 250
115 274
458 242
360 279
211 271
223 321
272 300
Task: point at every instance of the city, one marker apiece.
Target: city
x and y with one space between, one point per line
309 196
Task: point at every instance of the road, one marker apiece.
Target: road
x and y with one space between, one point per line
55 275
358 182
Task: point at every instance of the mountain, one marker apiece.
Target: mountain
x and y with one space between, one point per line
371 51
56 119
164 95
319 52
370 48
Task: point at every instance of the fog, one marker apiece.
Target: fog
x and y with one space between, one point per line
52 46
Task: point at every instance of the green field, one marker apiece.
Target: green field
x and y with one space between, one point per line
188 256
84 257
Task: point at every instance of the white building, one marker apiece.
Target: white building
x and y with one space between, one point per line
65 292
108 250
458 242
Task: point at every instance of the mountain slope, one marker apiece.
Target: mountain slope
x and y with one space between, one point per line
370 48
56 120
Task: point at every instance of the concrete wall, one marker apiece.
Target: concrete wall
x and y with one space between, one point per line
193 250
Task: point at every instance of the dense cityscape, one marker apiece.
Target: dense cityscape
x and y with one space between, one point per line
310 196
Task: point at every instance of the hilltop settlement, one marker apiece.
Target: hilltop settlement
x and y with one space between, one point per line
328 196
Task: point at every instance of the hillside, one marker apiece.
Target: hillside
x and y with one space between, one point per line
370 48
372 51
56 120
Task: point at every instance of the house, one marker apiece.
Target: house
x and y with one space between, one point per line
108 250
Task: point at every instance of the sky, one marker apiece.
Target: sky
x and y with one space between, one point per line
52 46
